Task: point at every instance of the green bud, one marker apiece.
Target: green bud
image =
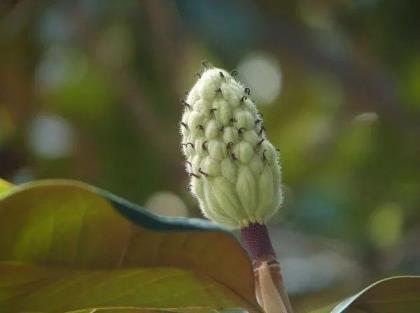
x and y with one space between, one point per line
234 169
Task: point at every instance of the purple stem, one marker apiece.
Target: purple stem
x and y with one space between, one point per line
257 241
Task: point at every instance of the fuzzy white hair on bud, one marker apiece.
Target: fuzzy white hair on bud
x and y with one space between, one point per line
234 169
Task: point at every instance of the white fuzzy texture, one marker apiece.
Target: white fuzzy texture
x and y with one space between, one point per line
234 169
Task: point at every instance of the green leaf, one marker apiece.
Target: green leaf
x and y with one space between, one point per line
65 246
391 295
138 310
4 186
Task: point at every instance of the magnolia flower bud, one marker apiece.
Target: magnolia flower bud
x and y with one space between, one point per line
234 169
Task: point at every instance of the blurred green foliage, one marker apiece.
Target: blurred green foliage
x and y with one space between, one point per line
90 90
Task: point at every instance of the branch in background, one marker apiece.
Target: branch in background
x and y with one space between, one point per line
138 104
165 26
132 92
6 6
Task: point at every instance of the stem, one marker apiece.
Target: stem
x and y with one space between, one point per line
270 289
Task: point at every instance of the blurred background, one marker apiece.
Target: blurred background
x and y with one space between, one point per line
90 90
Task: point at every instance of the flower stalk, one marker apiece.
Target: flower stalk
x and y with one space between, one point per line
235 171
270 290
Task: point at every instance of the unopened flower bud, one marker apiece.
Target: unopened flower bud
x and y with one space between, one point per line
234 169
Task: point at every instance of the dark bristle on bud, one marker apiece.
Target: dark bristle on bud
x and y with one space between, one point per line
205 64
247 91
201 172
194 175
257 241
185 103
263 156
261 131
204 145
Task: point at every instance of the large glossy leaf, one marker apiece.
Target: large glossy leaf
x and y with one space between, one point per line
66 246
391 295
139 310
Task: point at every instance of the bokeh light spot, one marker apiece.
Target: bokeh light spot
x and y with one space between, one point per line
60 66
366 117
386 225
50 137
263 75
166 203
